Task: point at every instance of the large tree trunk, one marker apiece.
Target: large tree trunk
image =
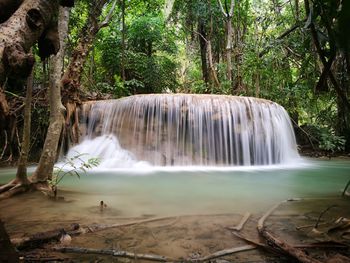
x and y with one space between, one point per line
123 47
203 49
229 48
212 72
19 33
228 13
72 76
49 153
21 175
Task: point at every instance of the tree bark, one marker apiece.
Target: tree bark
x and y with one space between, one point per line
21 175
19 33
212 72
49 153
72 76
122 64
203 50
228 17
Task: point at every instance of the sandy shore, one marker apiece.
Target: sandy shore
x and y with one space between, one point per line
185 237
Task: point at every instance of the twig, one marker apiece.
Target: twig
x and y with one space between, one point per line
310 225
346 188
322 213
111 252
241 223
109 16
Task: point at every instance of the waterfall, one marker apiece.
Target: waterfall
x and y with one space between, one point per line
186 129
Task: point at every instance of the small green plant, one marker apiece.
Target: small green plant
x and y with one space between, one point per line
73 166
331 143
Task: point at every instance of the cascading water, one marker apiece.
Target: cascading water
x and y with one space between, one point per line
184 129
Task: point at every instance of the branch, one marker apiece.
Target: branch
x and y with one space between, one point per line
222 8
279 244
225 252
232 8
109 16
111 252
284 34
321 54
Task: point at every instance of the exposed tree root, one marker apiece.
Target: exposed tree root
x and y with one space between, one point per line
8 186
14 188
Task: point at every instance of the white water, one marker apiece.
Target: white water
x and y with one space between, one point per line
187 130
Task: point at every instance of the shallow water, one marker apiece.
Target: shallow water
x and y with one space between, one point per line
179 191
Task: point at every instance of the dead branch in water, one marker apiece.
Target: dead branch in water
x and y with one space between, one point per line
241 223
112 252
224 252
322 213
346 188
279 244
41 238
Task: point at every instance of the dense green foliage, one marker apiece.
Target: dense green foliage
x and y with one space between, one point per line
274 56
293 52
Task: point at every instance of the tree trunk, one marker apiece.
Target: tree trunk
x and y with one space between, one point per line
19 33
49 154
228 17
203 49
72 76
122 64
21 175
212 72
229 48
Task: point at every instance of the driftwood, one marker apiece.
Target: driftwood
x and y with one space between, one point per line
241 224
316 245
41 238
279 244
224 252
111 252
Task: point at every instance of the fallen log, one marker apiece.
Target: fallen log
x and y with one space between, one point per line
112 252
42 238
279 244
39 239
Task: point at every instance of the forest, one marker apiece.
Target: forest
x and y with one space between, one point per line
293 52
59 57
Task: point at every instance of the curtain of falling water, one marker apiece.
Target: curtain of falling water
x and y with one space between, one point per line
184 129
